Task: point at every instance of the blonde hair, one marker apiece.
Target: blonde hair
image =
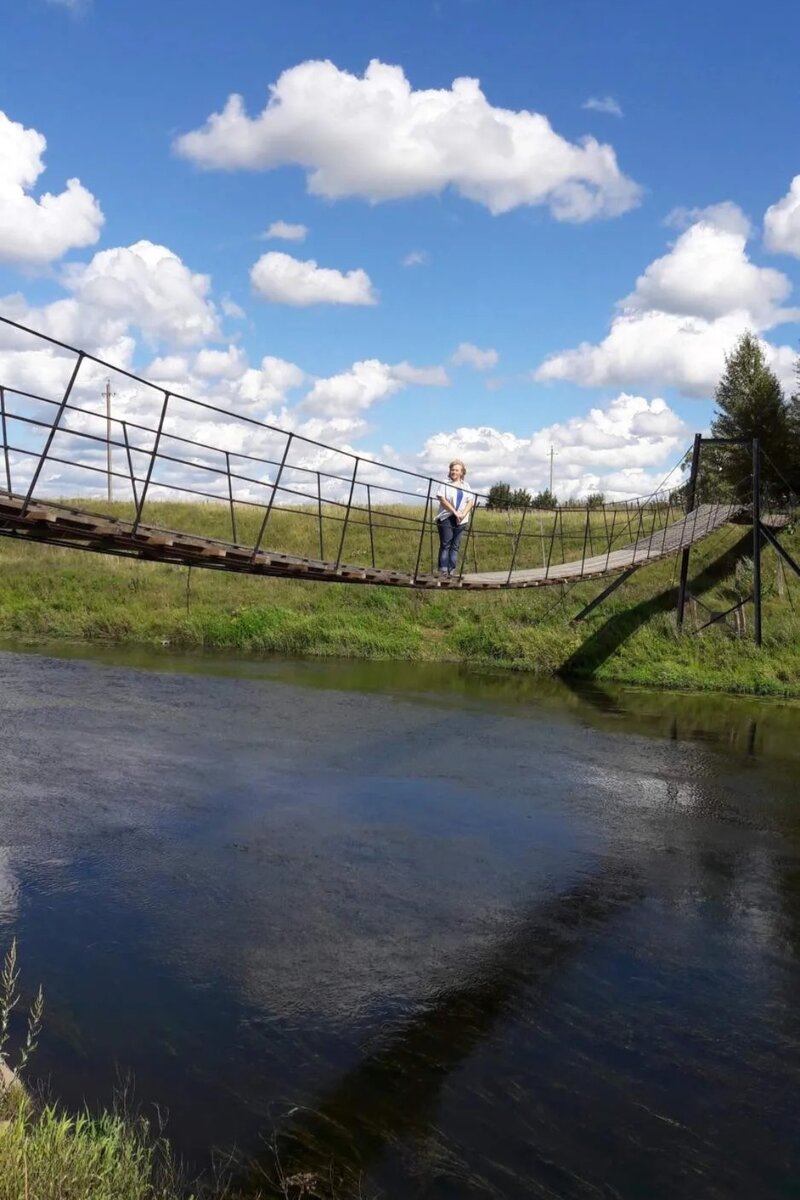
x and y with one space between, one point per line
458 463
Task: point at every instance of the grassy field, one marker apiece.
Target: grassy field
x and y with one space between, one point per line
54 593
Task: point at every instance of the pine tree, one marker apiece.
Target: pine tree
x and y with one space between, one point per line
499 496
793 419
750 404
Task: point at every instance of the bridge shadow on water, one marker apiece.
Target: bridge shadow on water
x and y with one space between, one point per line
388 1104
615 632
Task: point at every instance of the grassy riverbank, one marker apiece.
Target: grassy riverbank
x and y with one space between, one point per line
48 592
48 1154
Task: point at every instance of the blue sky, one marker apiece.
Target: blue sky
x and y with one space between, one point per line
708 101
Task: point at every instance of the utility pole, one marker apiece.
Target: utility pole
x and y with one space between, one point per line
108 438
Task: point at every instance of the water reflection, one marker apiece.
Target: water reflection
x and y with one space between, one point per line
488 936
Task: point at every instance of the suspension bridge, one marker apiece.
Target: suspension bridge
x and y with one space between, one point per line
176 479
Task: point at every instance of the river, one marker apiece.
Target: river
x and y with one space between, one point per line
476 935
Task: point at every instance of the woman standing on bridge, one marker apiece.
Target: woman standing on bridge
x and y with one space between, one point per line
455 507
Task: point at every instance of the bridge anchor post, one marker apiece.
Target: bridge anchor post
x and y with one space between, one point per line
690 500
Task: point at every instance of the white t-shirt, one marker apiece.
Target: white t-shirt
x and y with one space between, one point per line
449 491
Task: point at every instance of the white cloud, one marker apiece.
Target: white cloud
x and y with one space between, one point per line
782 222
603 104
623 449
148 287
286 231
220 364
232 309
426 376
473 356
378 138
686 312
415 258
707 274
34 232
282 279
352 391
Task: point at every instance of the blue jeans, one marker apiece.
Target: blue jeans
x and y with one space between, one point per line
450 535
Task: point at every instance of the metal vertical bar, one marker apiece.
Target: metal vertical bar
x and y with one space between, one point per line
319 518
611 538
756 541
552 540
690 499
472 519
585 538
650 536
262 530
667 522
347 515
421 532
53 428
371 538
108 440
151 464
516 545
5 438
230 496
639 527
130 463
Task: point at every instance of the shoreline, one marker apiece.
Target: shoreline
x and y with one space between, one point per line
167 657
52 594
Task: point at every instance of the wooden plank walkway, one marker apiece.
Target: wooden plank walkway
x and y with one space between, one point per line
705 519
56 524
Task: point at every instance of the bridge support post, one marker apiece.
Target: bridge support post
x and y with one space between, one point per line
756 542
690 500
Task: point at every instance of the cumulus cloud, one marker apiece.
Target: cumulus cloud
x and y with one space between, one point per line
146 286
282 279
603 104
685 313
473 356
365 383
35 232
286 231
623 449
378 138
220 364
708 274
782 222
352 391
415 258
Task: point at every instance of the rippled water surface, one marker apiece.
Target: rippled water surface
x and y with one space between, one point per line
478 936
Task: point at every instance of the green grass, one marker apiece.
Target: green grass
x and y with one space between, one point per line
50 1155
53 593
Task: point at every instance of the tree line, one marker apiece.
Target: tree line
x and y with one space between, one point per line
750 403
503 496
